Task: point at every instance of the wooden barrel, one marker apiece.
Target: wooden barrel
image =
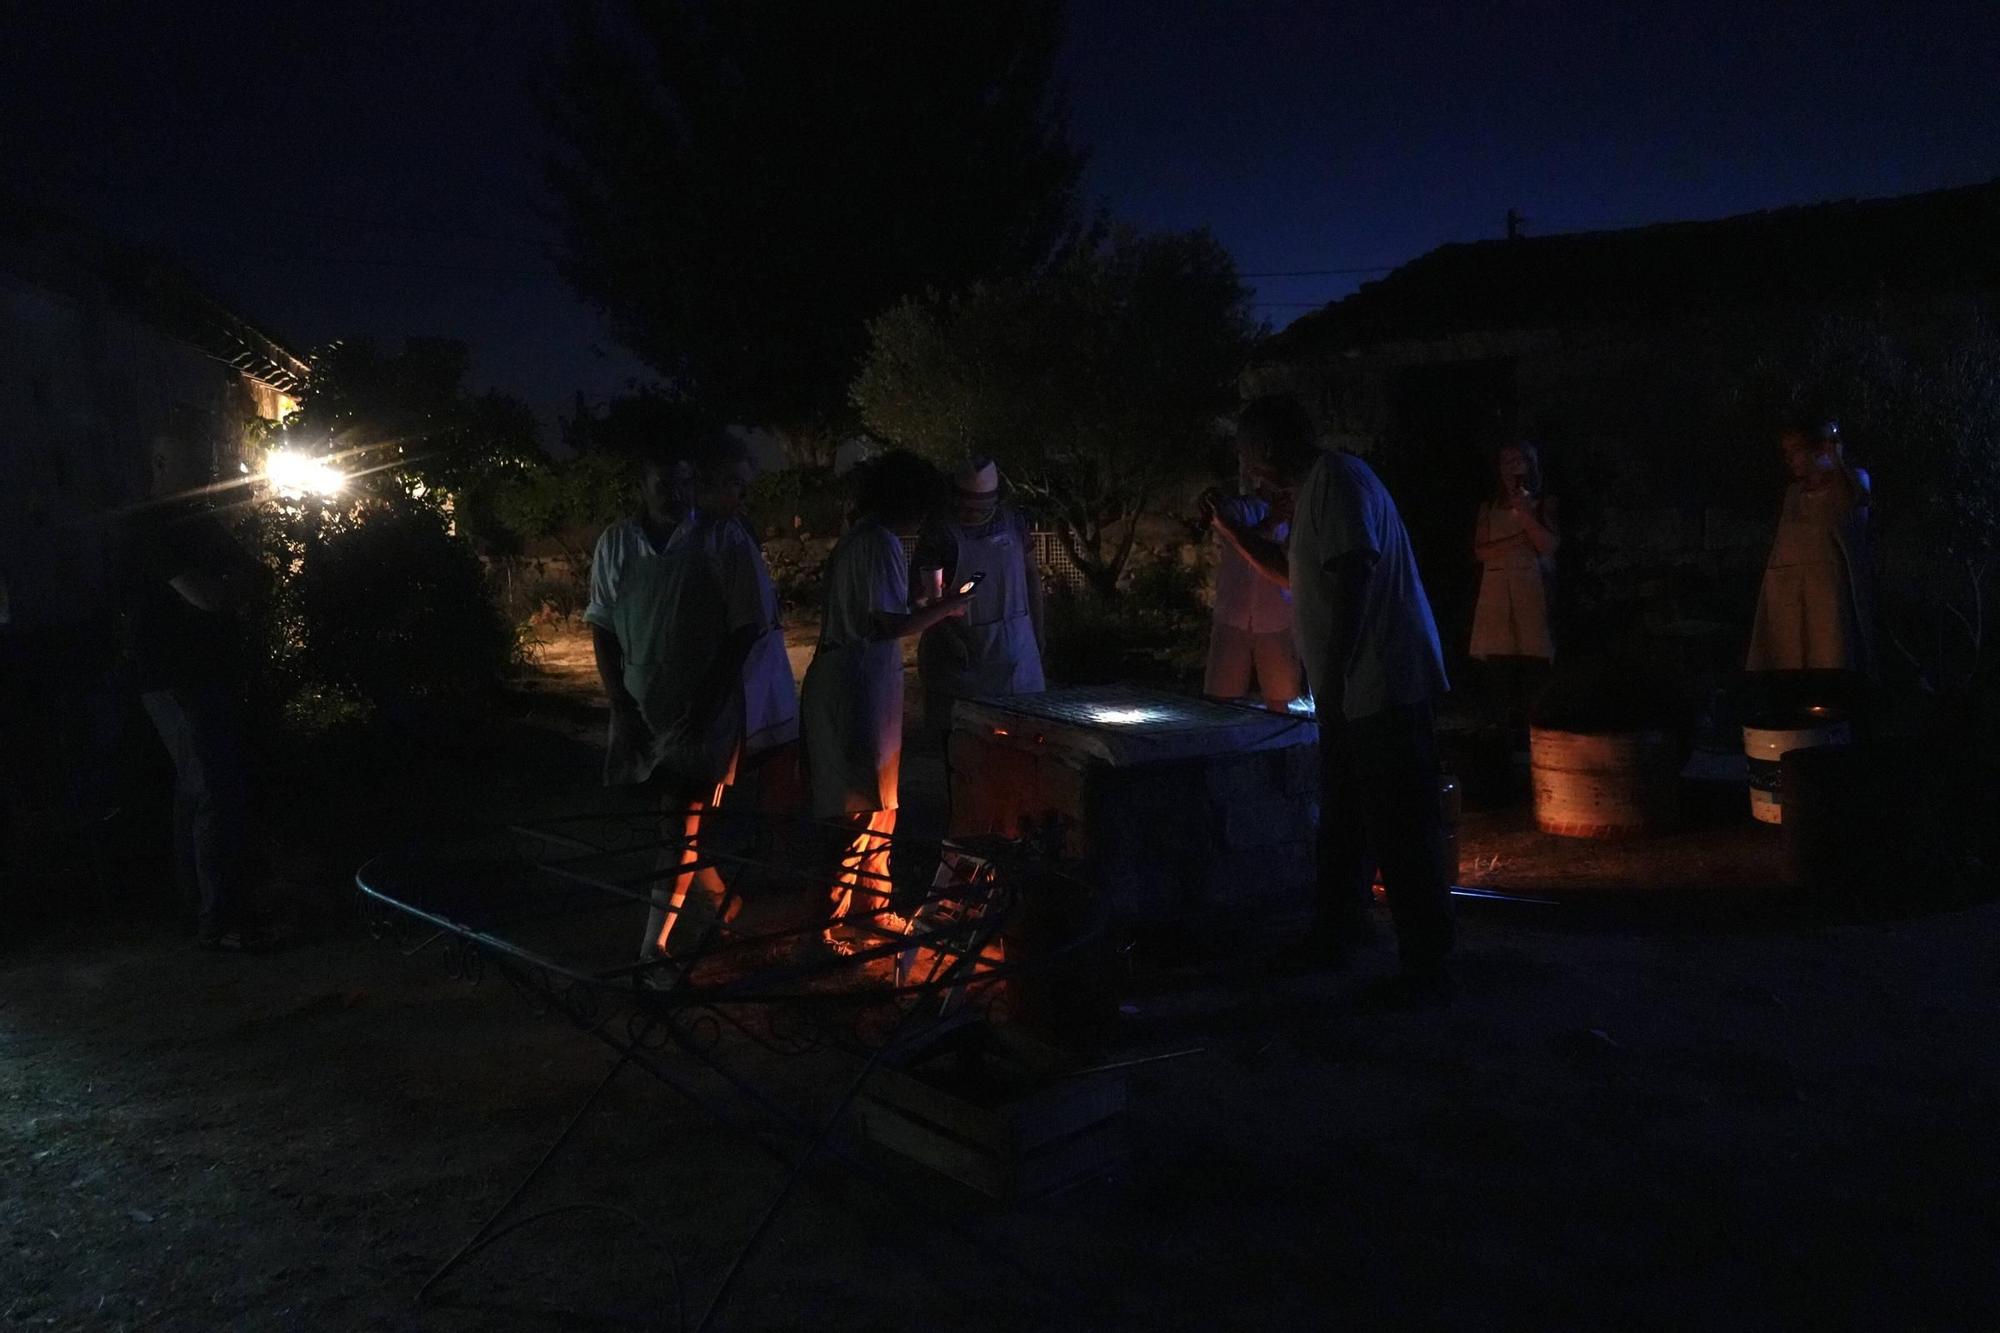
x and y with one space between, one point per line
1604 784
1769 740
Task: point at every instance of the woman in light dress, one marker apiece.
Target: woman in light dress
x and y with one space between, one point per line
853 697
1515 542
1815 610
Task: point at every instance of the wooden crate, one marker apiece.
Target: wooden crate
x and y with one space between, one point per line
998 1113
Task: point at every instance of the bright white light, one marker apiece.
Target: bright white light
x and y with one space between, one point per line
295 475
1125 717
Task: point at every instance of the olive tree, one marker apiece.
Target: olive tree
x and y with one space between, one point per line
1096 385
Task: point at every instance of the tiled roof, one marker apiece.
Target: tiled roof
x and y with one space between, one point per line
1944 241
61 253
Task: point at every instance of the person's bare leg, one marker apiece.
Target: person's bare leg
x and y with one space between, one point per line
714 891
864 875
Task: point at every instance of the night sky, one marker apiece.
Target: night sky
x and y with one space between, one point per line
350 168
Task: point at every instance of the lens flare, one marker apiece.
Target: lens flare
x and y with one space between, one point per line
296 475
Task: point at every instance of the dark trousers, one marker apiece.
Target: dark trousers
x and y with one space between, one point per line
1380 807
198 724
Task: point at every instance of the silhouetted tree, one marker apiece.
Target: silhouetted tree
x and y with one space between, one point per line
1097 385
408 414
744 183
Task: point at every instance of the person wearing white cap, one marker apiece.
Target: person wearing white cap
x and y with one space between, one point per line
996 649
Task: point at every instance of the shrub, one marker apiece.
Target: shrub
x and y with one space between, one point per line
379 612
798 502
1157 634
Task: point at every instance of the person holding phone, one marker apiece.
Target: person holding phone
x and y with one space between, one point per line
1815 609
996 647
852 706
1370 646
1250 639
1515 540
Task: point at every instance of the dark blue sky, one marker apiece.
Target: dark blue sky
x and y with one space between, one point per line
342 168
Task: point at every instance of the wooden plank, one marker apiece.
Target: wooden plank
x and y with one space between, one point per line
1072 1159
887 1127
1017 1125
1064 1108
1005 1177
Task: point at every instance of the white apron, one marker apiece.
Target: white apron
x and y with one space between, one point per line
1511 618
657 595
852 702
992 650
767 705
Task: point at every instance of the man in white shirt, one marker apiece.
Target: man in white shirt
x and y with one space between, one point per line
629 546
1374 664
708 669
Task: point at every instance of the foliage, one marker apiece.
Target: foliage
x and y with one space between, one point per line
1097 384
1921 405
744 184
806 502
409 413
1156 634
375 610
558 499
632 424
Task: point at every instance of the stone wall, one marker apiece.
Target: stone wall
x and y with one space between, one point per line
86 395
1165 842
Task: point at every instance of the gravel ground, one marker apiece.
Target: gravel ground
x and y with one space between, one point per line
1617 1124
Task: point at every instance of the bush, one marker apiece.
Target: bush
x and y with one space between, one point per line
586 493
378 613
1154 634
798 502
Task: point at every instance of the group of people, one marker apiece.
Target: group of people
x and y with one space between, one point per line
685 623
1317 593
688 644
1253 644
1815 608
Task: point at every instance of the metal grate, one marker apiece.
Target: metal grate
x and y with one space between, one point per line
1122 708
1059 569
1123 724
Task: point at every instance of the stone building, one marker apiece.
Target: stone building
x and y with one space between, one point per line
107 352
1644 362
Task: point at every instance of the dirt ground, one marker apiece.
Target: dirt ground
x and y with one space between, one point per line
1616 1125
